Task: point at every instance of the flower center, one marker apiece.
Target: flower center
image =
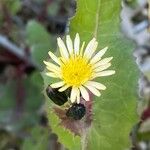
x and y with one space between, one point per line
76 71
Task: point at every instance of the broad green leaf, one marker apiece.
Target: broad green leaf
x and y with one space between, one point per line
39 41
32 101
7 102
115 111
6 96
34 97
38 140
12 6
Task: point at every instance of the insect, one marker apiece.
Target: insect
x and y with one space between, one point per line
76 111
57 97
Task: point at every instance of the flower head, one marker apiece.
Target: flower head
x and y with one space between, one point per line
77 67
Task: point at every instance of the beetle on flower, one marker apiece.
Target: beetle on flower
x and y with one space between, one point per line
77 67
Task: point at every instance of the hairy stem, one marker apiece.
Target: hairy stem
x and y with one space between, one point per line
84 140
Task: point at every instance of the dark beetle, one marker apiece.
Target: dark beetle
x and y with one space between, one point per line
57 97
76 111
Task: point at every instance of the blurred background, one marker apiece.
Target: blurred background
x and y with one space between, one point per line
28 30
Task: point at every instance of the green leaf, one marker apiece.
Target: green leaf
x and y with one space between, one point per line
13 6
33 86
31 103
39 139
7 102
39 41
7 94
115 110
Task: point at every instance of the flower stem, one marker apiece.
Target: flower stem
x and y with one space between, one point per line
84 140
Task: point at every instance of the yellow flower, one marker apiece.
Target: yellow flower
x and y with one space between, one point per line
78 67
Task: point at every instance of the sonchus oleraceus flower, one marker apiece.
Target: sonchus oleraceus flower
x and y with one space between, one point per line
77 67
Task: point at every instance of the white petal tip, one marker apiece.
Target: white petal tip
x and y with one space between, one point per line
87 99
49 53
60 90
58 38
104 88
68 36
105 49
53 86
113 72
77 34
47 74
72 100
99 95
94 40
45 62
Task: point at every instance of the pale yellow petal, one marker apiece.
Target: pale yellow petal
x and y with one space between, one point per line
98 56
77 44
63 88
74 93
96 85
69 44
51 65
54 70
89 48
103 62
84 93
63 60
104 73
93 90
62 48
78 97
54 57
82 48
92 50
103 67
51 74
57 84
